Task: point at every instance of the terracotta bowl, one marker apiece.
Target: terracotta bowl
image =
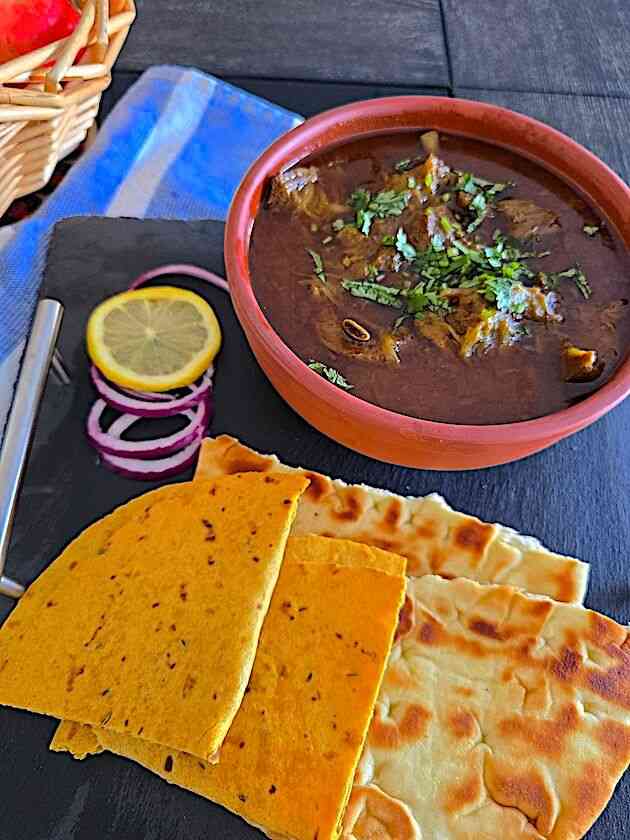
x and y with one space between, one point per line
367 428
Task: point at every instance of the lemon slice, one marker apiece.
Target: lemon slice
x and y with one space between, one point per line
153 339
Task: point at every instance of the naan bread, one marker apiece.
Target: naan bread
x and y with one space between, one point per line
288 761
148 622
500 716
433 537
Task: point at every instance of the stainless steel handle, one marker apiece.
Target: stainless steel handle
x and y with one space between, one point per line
21 424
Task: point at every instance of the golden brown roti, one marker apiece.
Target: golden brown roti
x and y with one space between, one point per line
288 761
500 716
148 622
433 537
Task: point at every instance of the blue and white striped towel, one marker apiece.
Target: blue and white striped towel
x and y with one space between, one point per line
174 147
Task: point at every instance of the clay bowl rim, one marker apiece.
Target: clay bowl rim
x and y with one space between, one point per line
304 140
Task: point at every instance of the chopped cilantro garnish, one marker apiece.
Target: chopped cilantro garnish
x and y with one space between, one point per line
550 280
388 240
364 220
369 207
330 374
445 224
419 301
591 230
479 202
403 246
428 180
411 183
483 192
582 283
319 265
386 295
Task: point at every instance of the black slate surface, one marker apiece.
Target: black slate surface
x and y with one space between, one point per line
304 97
562 46
350 41
601 123
575 496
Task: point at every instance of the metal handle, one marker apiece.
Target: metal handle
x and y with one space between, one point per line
21 424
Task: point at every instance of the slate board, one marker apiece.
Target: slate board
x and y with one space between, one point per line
601 123
349 41
574 496
303 97
561 46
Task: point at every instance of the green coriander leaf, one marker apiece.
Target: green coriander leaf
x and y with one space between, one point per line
583 285
403 246
330 374
437 242
388 240
364 220
411 183
479 202
445 224
359 199
428 180
385 295
319 265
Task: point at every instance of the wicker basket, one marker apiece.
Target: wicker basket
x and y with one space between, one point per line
48 102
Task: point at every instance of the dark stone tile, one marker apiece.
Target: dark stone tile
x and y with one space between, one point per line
351 41
552 45
305 98
599 123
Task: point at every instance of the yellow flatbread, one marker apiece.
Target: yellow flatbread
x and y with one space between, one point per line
288 761
433 537
148 622
500 716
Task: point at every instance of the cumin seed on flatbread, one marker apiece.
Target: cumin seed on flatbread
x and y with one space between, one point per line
289 758
148 622
433 537
500 716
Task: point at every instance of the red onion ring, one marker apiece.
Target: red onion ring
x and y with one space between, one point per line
110 443
151 470
144 407
185 269
152 396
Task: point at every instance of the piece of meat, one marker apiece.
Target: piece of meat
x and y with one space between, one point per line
429 177
528 219
539 305
436 329
466 310
379 348
581 365
298 189
436 221
433 174
497 329
359 250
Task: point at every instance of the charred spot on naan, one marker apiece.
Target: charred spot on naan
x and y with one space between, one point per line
320 486
402 723
373 815
546 737
529 792
462 725
406 619
464 795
